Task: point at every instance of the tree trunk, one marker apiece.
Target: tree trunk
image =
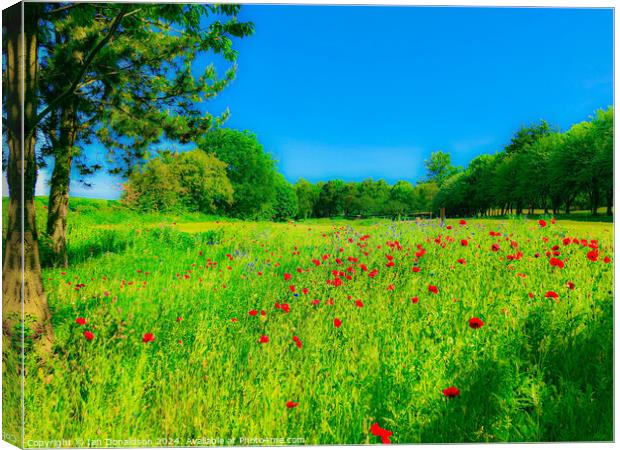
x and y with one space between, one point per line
595 201
58 205
610 201
21 271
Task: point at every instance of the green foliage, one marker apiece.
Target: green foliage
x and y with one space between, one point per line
140 85
539 169
307 198
250 169
285 205
439 168
526 136
191 181
363 199
331 199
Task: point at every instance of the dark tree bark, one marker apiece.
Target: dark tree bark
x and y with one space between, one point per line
595 201
58 205
22 278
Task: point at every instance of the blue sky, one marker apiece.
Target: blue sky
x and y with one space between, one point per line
356 92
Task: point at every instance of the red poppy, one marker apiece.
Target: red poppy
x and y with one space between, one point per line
263 339
464 242
359 303
462 222
551 294
593 255
305 291
148 337
607 260
287 276
414 300
89 335
286 308
555 262
253 313
433 289
179 319
80 321
290 404
542 223
475 323
373 273
570 285
297 341
390 287
337 323
495 247
415 269
451 392
461 261
384 434
292 288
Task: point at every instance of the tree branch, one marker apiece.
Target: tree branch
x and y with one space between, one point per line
115 24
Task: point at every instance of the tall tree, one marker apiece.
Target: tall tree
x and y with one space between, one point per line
141 80
251 170
20 101
526 136
285 204
603 128
439 168
331 199
307 196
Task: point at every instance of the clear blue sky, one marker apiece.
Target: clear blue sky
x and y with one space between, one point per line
356 92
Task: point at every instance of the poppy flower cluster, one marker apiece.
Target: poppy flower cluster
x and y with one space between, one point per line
384 434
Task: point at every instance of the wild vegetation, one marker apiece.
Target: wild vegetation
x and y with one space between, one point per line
175 327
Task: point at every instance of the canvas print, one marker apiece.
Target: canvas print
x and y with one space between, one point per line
241 225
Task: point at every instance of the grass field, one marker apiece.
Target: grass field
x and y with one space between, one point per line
362 340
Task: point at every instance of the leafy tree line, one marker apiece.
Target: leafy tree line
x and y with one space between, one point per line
541 168
365 198
229 173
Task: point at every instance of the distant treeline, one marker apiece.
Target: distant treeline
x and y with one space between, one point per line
231 174
365 198
541 168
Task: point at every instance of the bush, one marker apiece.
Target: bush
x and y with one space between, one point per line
180 182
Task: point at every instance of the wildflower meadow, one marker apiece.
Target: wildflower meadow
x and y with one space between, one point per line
179 329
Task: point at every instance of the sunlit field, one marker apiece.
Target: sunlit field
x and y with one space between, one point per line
182 329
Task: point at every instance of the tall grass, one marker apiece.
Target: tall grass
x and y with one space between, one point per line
538 370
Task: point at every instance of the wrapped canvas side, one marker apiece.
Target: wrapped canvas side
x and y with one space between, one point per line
25 316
